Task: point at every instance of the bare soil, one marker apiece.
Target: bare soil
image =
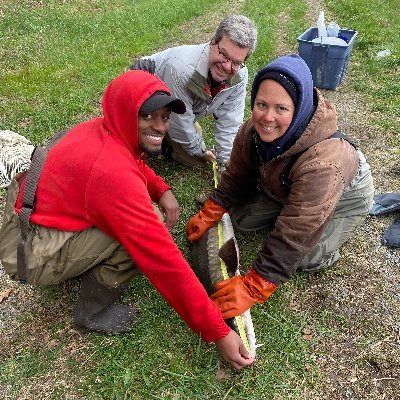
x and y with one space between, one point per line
361 359
360 296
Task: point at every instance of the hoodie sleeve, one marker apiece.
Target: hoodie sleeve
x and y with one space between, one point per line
156 185
118 202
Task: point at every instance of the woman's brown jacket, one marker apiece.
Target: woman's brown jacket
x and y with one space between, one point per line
318 177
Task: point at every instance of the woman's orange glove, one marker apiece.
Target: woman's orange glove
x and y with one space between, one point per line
236 295
203 220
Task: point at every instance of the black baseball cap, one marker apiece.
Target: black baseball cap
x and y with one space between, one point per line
161 99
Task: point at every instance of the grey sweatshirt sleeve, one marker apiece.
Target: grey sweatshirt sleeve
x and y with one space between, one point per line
228 119
181 128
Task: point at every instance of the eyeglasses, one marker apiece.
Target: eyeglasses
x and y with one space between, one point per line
235 65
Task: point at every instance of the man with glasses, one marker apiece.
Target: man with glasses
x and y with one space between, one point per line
211 78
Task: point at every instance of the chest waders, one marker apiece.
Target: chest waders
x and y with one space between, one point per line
95 309
38 159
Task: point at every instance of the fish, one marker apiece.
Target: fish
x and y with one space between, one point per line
15 155
215 257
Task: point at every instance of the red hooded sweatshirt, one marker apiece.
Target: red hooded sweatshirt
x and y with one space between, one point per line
96 176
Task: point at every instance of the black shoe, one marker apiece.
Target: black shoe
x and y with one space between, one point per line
95 309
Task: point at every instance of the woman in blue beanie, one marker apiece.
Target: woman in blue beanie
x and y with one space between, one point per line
291 170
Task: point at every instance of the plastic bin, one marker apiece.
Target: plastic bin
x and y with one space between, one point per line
327 62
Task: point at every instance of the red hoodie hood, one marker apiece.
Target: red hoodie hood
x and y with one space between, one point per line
121 103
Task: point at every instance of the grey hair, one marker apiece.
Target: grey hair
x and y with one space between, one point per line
240 29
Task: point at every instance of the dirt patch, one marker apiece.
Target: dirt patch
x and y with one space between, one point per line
360 358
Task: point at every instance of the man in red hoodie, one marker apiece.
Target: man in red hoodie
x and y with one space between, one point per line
94 215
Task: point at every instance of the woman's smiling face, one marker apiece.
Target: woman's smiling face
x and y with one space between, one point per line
273 111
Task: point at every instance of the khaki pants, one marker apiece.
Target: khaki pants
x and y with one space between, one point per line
180 155
53 256
350 212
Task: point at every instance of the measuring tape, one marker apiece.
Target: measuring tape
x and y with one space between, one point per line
224 270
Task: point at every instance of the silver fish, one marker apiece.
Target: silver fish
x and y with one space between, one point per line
15 155
216 245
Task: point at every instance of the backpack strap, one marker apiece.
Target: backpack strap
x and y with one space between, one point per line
285 175
341 135
38 159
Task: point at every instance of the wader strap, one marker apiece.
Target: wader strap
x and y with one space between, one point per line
38 159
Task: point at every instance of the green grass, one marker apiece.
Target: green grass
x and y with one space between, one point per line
186 366
376 78
56 60
57 57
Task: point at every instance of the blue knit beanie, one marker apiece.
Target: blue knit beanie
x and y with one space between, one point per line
288 70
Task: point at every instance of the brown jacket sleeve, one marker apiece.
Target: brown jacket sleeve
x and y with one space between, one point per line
240 178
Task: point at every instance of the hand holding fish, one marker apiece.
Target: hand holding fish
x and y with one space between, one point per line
236 295
232 350
203 220
169 206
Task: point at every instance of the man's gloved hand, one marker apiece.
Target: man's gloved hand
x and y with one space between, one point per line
145 64
236 295
203 220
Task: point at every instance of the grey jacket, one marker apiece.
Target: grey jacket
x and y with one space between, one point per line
185 69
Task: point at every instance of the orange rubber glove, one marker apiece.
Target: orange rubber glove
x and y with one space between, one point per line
236 295
203 220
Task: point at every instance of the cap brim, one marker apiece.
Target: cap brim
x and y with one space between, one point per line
157 101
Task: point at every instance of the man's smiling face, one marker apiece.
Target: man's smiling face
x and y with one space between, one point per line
226 58
152 128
